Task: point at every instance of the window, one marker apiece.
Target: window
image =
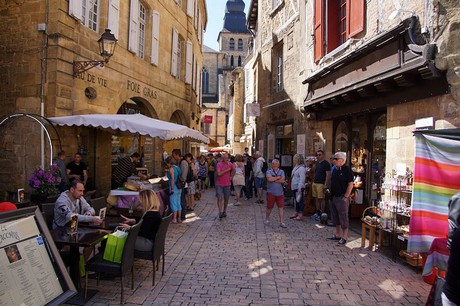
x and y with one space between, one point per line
232 61
239 61
205 80
142 22
240 44
335 23
87 11
279 70
178 55
232 44
137 27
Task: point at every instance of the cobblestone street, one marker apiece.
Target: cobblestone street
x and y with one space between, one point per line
240 261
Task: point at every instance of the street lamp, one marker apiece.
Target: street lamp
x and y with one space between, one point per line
107 44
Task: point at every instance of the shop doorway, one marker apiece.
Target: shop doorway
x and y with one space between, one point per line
123 146
378 156
284 147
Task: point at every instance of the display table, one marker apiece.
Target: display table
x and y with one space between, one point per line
372 229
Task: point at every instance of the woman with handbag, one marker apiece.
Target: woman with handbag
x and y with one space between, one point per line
151 220
174 190
298 185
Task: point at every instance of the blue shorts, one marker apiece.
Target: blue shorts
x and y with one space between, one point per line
259 182
223 191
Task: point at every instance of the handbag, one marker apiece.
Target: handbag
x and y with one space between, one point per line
180 184
115 244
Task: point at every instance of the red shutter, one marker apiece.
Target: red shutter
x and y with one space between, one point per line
355 15
318 30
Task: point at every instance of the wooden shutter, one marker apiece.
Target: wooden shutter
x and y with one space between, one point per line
155 38
114 17
319 30
188 63
175 43
76 9
190 8
133 43
355 17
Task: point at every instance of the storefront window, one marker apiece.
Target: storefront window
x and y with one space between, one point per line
341 137
378 157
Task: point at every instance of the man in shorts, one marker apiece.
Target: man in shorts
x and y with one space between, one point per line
275 192
224 174
341 188
259 176
320 183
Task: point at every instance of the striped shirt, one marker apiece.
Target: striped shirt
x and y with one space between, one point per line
123 170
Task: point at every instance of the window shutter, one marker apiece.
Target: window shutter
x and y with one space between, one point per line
195 18
155 37
318 30
200 30
188 65
190 8
175 42
76 9
356 16
133 44
114 16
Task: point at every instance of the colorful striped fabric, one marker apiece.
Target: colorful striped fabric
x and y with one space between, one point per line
436 180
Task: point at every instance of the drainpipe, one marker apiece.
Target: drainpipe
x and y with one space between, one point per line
42 84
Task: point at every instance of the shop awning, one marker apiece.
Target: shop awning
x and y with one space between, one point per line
135 123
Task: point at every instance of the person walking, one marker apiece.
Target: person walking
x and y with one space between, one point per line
275 192
259 176
202 172
341 187
211 170
238 178
173 175
184 166
321 182
60 162
224 173
298 186
247 176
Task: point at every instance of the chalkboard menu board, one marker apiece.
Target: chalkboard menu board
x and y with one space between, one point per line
31 269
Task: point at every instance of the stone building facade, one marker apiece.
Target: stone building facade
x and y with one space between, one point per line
371 73
218 73
155 70
274 71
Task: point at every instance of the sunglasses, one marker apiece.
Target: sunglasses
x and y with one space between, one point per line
335 158
319 154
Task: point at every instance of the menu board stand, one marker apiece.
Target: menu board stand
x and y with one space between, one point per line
31 269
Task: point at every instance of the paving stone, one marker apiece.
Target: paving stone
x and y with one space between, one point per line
240 261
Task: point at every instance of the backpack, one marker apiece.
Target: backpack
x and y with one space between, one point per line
190 177
264 167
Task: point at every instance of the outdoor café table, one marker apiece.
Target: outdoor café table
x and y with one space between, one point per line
85 237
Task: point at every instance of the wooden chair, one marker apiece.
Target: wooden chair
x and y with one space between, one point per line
99 265
98 203
158 251
47 210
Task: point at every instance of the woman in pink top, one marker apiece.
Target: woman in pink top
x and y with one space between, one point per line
224 172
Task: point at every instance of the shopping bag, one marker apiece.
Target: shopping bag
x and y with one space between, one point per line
115 244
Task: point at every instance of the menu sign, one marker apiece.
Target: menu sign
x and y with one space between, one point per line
27 276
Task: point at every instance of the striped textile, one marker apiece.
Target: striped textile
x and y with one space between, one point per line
436 180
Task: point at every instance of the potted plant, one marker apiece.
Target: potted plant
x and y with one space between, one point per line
44 183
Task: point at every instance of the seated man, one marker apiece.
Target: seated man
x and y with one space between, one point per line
71 202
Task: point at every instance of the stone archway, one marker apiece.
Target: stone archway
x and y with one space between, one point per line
149 148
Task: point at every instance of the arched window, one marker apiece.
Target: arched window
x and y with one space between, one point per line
239 61
205 80
232 61
240 44
232 44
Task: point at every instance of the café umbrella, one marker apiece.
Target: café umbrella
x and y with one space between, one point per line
132 124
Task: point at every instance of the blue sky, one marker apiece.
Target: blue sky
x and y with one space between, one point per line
216 13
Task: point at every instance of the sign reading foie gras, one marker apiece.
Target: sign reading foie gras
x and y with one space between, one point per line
27 276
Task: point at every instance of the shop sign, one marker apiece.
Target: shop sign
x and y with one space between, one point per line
93 79
207 119
143 90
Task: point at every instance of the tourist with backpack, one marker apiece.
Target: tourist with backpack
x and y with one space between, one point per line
260 168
